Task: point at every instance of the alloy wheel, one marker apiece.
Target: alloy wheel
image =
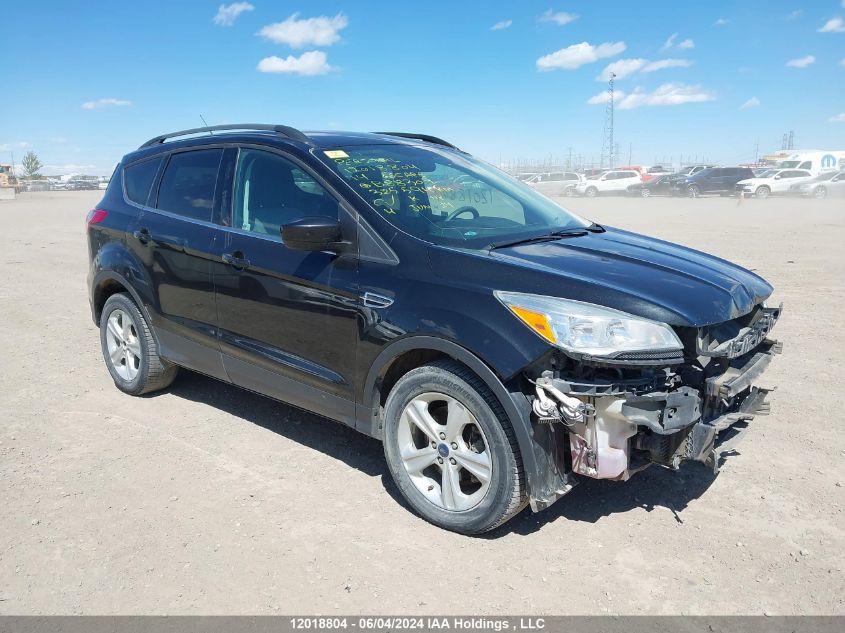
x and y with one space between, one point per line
123 345
445 452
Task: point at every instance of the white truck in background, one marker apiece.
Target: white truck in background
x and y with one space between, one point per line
816 161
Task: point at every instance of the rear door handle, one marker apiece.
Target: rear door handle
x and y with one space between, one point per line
142 235
236 260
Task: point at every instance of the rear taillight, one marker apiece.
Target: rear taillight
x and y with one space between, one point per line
95 216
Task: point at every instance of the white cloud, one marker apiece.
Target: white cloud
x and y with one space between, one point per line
801 62
577 55
602 97
687 44
794 15
753 102
58 140
560 17
660 64
105 103
673 93
842 61
833 25
319 31
622 68
7 147
501 25
69 168
720 22
839 118
228 13
308 64
670 41
626 67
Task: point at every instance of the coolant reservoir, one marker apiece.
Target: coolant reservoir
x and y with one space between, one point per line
600 446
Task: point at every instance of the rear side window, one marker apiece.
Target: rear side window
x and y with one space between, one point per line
138 178
187 186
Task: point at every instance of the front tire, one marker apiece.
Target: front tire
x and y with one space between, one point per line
820 192
451 449
645 193
130 350
591 192
693 191
762 192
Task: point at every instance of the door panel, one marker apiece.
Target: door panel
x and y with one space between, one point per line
286 312
177 252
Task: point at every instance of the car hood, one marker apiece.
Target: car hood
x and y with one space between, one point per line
621 270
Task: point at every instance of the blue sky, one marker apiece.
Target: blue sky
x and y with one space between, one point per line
83 83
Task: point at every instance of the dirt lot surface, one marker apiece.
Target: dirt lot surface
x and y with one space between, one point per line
208 499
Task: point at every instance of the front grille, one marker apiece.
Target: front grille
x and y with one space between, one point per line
670 356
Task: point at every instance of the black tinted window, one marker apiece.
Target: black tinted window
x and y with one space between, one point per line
138 178
187 186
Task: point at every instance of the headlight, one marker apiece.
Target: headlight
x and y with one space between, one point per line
585 328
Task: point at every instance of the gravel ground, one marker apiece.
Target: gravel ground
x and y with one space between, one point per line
208 499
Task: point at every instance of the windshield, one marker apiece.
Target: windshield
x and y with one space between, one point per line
446 197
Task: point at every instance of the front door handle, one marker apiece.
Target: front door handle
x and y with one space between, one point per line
142 235
236 260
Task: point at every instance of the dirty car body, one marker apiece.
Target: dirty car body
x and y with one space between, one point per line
605 351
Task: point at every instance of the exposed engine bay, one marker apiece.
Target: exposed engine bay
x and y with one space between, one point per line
611 419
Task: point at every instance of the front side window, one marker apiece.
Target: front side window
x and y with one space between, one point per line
187 186
445 196
271 191
138 179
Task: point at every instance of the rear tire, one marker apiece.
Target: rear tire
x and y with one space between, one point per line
130 349
451 449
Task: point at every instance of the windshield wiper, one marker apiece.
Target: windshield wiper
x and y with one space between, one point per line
549 237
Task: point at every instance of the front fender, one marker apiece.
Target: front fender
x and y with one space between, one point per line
538 444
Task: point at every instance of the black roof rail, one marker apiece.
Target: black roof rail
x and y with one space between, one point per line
284 130
421 137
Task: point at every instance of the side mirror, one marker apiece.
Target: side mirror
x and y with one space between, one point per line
777 177
313 234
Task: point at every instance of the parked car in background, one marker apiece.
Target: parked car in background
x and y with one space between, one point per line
594 172
616 181
657 170
721 180
771 182
686 172
657 186
829 184
555 183
103 185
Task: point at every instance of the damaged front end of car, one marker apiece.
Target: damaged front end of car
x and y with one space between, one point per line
611 416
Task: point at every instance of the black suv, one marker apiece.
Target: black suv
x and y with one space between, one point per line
500 346
721 180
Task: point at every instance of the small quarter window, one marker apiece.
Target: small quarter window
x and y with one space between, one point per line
138 179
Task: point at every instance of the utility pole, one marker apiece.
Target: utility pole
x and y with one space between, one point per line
757 151
607 146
